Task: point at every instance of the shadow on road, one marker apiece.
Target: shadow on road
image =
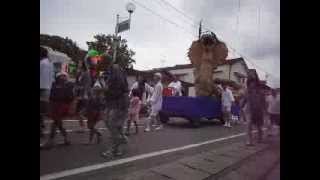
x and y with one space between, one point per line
184 123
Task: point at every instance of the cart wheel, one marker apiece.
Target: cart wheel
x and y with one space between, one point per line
195 122
163 118
220 118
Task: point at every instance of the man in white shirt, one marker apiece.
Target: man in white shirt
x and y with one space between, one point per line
273 110
156 104
176 86
147 89
227 100
46 79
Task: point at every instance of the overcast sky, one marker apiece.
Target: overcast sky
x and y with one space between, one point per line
158 42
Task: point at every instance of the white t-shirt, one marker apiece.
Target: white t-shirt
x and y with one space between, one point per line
177 87
273 104
148 89
46 74
156 98
227 98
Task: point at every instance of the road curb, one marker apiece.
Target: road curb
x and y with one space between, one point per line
236 165
239 168
199 168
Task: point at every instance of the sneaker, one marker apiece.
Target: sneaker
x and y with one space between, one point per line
147 130
107 154
111 154
159 127
118 153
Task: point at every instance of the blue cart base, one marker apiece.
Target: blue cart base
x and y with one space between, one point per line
193 108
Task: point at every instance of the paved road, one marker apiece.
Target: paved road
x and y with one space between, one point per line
176 134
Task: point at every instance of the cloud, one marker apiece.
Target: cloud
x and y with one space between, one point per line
153 38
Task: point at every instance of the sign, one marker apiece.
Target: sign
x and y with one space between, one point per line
123 26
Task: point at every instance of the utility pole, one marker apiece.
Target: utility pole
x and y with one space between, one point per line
200 29
115 41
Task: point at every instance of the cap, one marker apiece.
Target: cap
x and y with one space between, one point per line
158 74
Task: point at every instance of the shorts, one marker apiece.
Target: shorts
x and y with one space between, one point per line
226 109
59 110
93 118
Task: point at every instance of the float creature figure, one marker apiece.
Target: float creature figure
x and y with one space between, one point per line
206 54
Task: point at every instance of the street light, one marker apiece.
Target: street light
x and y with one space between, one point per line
130 7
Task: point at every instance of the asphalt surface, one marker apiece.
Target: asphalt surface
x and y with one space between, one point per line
176 133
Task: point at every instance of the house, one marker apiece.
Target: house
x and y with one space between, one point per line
232 72
235 70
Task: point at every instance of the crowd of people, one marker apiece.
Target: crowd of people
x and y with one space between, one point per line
258 106
106 96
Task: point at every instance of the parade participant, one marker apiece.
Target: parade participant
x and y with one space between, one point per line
227 101
145 90
156 104
83 84
117 103
60 99
134 109
94 109
255 106
176 86
273 110
46 80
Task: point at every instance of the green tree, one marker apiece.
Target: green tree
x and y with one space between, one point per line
64 45
104 43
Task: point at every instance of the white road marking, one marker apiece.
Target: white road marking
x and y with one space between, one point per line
84 169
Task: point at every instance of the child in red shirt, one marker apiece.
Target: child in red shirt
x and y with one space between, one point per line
134 110
61 97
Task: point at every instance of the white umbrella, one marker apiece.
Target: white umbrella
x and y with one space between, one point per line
57 57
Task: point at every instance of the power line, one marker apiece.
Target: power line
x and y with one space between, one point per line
163 18
252 63
192 19
179 11
167 4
